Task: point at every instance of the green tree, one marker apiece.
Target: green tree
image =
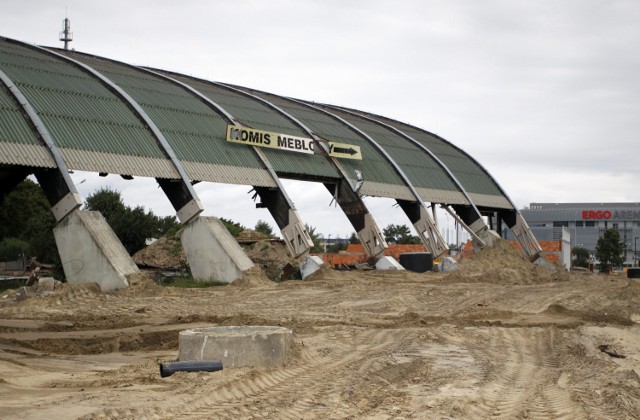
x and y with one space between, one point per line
25 214
337 247
167 225
233 227
13 248
580 257
353 239
399 234
609 250
106 201
315 238
264 228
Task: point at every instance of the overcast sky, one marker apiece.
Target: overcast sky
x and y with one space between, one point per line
544 94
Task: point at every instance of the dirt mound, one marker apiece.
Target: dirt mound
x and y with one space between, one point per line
250 235
141 284
503 263
165 253
272 257
254 277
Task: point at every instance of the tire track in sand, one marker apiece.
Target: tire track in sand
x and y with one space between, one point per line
524 384
284 393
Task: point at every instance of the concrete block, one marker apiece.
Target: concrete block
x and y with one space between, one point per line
388 263
91 252
310 265
447 264
24 292
213 254
254 346
46 285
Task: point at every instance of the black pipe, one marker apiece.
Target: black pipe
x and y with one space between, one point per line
169 368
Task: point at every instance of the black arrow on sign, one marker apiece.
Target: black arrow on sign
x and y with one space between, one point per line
349 151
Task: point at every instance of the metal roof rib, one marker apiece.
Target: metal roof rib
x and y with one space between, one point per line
19 143
193 129
141 114
398 169
477 182
265 161
306 129
380 180
41 130
431 154
80 113
249 111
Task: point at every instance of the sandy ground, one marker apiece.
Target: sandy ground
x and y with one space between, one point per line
490 341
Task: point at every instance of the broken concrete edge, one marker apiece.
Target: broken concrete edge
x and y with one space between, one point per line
90 252
388 263
44 286
447 264
309 265
213 254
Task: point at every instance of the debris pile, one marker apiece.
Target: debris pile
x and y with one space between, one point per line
274 259
37 286
250 236
503 263
166 253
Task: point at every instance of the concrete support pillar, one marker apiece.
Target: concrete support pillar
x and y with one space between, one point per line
362 221
293 230
482 235
425 226
91 252
213 254
296 236
521 231
371 237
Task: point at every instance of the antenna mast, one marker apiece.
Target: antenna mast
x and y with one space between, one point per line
66 35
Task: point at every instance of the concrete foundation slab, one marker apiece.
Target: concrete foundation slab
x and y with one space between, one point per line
91 252
388 263
213 254
254 346
310 265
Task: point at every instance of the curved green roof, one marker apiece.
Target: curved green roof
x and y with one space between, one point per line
96 129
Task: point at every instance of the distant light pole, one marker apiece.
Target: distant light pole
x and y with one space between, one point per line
635 251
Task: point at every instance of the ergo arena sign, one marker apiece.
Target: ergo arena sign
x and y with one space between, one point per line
260 138
608 214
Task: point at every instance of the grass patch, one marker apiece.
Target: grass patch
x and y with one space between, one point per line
184 281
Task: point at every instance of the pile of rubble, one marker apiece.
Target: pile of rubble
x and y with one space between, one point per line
166 253
37 286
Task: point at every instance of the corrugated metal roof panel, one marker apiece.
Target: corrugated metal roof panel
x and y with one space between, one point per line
381 189
25 154
195 131
98 131
488 200
252 113
228 174
14 126
79 111
88 160
421 169
442 196
373 165
471 175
